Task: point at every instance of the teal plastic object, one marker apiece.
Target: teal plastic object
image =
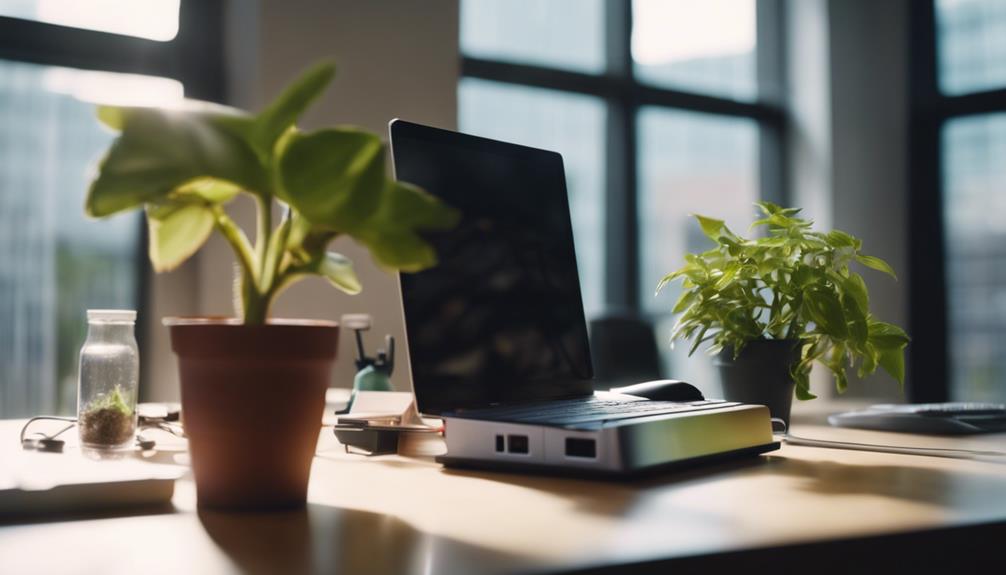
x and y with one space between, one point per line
373 373
371 378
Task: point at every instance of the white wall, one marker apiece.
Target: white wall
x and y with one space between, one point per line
847 68
395 58
869 117
809 145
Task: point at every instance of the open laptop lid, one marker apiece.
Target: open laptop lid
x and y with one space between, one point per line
500 319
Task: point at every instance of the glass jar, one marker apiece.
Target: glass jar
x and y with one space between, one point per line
108 381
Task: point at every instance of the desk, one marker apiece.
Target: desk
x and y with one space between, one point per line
406 514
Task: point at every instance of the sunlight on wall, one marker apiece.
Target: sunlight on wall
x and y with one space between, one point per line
113 88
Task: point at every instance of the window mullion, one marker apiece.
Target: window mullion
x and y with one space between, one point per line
772 178
927 314
621 238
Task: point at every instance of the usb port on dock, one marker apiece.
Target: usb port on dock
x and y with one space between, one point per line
517 444
581 447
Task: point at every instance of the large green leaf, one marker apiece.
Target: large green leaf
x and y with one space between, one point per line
209 189
804 394
334 267
877 264
284 111
672 276
856 318
686 299
711 227
334 178
770 208
887 336
113 117
840 239
893 362
160 150
889 341
338 270
392 233
855 287
177 230
826 311
801 378
234 119
869 359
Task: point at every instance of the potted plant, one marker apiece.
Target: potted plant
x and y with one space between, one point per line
253 388
774 305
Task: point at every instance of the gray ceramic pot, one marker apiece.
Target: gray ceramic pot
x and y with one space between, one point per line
760 374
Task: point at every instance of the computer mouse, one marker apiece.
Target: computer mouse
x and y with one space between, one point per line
662 390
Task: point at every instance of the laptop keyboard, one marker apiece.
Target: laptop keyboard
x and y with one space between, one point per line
589 410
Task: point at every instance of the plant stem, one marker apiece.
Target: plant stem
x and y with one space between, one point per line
273 264
262 234
238 241
256 307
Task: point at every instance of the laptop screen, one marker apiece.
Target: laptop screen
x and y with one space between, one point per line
500 319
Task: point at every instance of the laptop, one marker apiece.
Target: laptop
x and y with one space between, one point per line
496 333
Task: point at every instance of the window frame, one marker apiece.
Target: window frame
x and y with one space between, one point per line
624 96
195 57
929 111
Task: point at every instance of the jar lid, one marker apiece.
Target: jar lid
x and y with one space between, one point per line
112 315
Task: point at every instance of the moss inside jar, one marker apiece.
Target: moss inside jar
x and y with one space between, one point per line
108 421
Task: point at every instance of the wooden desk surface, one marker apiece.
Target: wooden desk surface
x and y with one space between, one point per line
406 514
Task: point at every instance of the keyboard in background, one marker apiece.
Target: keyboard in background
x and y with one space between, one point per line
575 411
954 418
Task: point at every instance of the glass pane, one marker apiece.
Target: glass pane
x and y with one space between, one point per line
706 46
570 124
974 204
559 33
152 19
54 262
689 163
971 43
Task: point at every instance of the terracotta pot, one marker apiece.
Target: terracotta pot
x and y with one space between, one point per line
760 374
252 402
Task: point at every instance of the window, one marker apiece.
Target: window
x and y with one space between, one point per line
660 108
153 19
959 136
54 262
557 121
706 47
971 37
566 34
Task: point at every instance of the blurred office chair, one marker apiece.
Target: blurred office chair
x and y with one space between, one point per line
624 350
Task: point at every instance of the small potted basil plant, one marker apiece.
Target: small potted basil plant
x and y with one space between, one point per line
253 387
772 306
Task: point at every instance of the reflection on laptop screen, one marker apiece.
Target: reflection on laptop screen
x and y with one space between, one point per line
500 319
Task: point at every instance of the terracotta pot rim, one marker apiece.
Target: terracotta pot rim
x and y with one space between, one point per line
178 321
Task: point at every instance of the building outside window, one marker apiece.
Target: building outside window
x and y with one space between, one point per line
970 103
57 59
